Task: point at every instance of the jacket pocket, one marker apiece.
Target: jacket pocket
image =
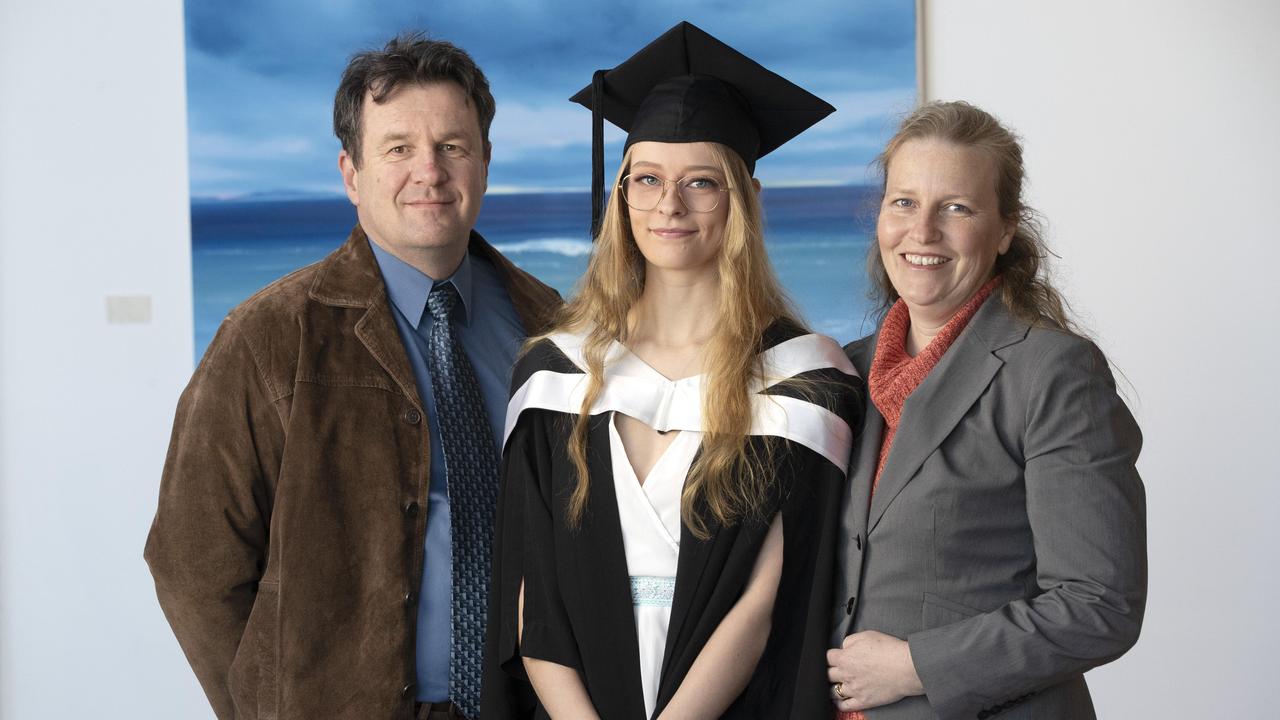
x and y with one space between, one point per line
936 611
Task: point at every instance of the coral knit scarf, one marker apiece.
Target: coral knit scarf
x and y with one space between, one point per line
895 374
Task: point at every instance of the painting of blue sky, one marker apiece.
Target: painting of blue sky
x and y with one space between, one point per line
266 193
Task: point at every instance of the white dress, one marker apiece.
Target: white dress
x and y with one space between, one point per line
650 519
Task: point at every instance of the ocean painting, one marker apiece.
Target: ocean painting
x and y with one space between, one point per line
267 198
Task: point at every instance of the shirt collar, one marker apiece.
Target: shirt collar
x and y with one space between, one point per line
408 287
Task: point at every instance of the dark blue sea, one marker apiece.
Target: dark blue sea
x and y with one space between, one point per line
817 238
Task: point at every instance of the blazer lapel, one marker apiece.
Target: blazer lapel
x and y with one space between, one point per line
863 470
866 451
936 407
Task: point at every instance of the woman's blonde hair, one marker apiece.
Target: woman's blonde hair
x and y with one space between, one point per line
1026 289
728 479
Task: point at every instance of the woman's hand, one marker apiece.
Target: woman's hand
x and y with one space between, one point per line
870 670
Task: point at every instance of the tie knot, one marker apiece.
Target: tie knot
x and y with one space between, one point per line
440 301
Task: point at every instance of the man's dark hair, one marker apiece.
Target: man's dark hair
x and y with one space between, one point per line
408 59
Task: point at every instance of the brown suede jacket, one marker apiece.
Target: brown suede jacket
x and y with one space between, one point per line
287 547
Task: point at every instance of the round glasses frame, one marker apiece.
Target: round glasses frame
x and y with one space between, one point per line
622 187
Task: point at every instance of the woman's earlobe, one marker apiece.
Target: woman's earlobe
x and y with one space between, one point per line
755 184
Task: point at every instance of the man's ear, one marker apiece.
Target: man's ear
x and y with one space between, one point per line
350 177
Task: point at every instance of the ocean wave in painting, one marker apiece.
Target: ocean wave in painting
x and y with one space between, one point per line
556 246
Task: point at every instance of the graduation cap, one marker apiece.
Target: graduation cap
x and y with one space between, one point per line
687 86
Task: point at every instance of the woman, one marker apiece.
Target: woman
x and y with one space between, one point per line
678 443
993 536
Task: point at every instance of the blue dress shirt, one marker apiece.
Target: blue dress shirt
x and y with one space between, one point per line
490 331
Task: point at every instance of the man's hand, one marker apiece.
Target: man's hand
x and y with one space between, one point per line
870 670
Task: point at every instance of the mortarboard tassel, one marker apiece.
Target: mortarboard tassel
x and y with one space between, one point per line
597 152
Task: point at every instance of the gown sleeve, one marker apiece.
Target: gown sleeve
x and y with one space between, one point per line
548 634
791 678
524 552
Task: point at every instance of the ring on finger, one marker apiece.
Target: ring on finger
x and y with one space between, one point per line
839 690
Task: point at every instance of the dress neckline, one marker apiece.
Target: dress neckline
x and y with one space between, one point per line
667 453
658 498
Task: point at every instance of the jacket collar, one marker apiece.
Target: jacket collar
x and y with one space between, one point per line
945 396
349 278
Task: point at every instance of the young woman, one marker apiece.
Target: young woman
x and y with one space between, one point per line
677 445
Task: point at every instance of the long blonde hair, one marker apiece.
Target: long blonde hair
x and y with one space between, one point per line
729 478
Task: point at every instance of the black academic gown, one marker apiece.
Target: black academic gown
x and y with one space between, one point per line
578 607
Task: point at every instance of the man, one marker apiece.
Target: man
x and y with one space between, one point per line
322 542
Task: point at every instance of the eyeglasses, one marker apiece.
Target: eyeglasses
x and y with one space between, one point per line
644 191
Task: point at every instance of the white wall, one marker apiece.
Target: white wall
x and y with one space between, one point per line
93 202
1150 134
1151 138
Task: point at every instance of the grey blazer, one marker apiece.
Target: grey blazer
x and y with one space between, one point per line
1006 541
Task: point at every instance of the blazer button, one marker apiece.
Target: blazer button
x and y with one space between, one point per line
409 598
407 692
848 608
411 509
412 416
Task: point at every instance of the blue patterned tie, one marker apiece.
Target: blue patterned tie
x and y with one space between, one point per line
471 465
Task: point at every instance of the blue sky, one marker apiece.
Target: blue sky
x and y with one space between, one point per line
261 77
